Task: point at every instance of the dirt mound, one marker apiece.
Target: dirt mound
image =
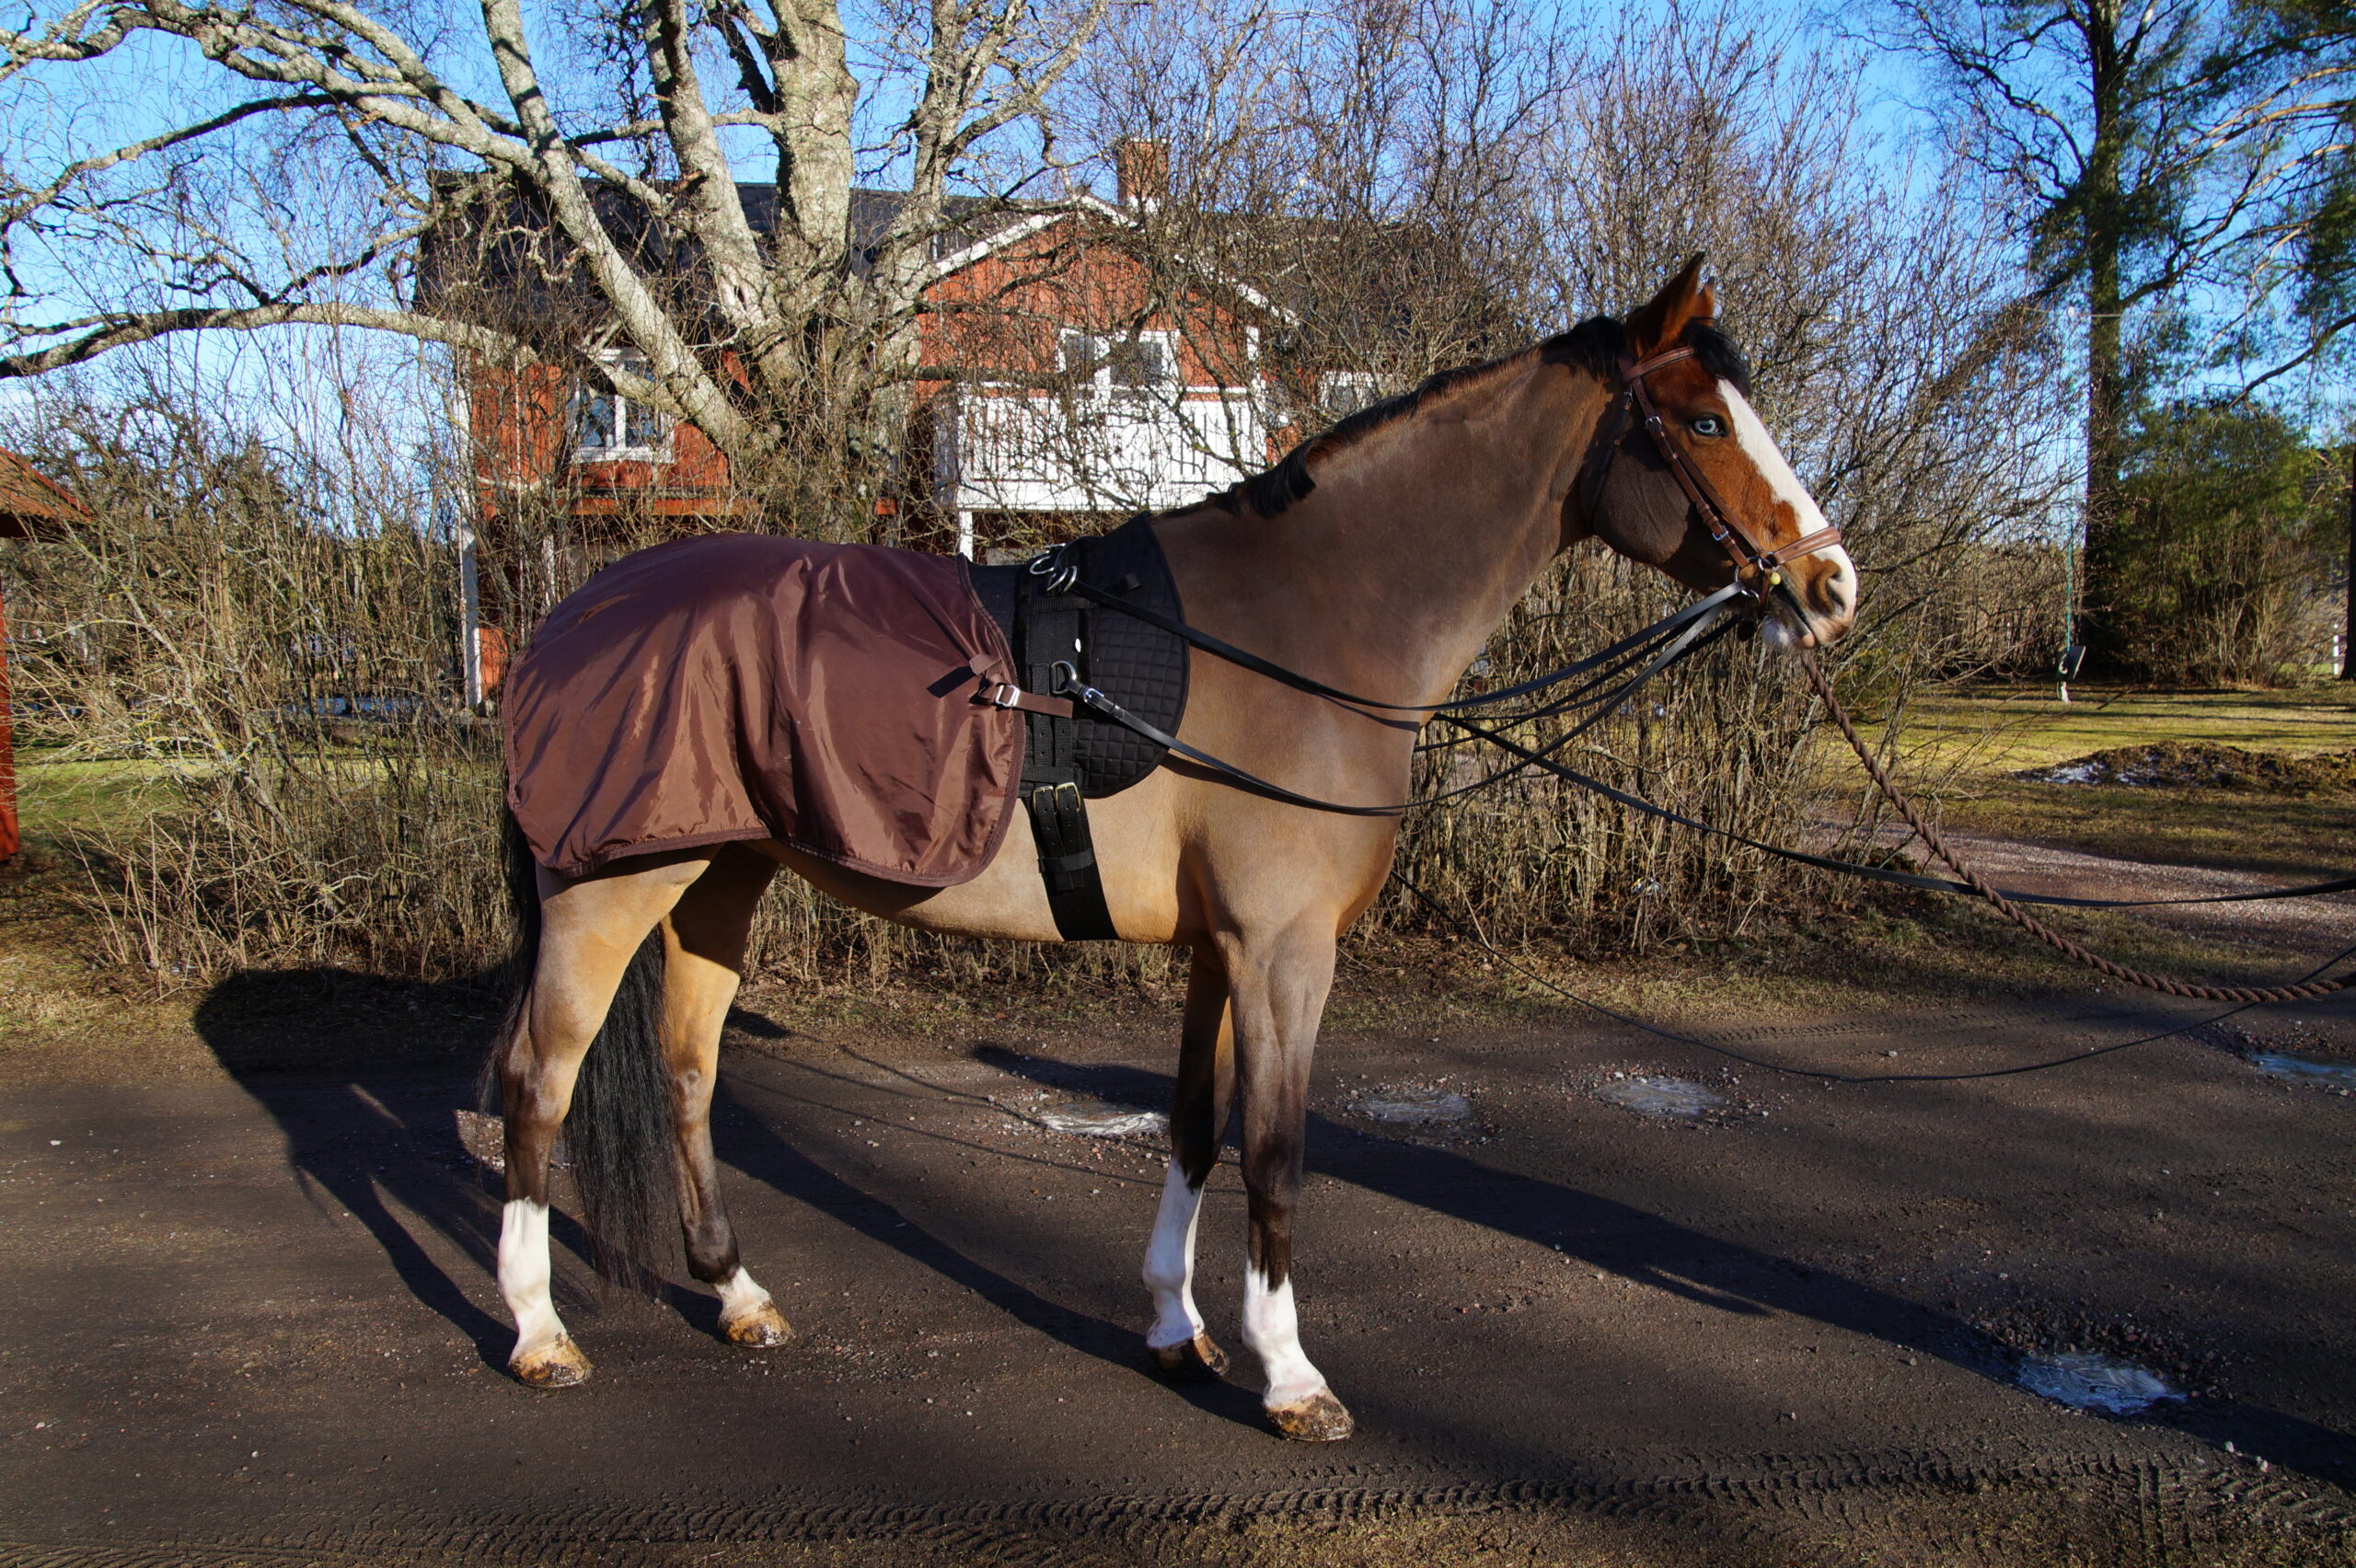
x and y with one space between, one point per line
2172 763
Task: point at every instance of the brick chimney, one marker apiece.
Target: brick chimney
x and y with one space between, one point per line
1142 164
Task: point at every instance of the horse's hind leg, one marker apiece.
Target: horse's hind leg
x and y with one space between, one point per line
590 933
706 936
1197 1119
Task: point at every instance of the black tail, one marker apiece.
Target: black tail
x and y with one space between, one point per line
617 1135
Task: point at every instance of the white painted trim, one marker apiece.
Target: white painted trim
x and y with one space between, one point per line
1087 202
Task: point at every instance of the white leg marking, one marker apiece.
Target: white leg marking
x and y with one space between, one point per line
524 1274
739 1297
1272 1330
1169 1263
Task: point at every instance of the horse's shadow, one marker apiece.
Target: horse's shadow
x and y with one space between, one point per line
1706 1269
357 1074
363 1077
747 1141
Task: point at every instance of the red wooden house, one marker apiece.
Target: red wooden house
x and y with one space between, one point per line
30 507
1069 396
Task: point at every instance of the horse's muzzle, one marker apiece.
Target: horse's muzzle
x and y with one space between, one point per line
1817 604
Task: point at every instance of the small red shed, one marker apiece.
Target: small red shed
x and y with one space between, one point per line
30 507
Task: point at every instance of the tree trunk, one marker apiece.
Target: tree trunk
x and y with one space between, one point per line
2100 217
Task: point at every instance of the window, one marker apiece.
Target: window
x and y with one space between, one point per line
1105 363
607 425
1345 392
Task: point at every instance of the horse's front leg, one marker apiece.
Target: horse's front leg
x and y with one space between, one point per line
1197 1120
1277 995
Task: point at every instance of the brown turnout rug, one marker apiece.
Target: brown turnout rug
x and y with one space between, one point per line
746 687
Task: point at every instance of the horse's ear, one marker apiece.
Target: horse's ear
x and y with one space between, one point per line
1662 320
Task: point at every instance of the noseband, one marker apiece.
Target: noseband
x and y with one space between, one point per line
1758 567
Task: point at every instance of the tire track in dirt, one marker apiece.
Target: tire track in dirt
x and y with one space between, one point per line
1925 1509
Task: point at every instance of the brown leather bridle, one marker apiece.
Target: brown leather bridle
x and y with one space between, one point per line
1758 568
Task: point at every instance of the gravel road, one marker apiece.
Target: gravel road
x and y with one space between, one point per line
249 1318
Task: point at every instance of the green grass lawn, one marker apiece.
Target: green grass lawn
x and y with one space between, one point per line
55 795
1997 729
1974 740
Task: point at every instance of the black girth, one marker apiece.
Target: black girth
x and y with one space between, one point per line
1047 634
1064 608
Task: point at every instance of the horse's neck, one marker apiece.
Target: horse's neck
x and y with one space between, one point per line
1416 542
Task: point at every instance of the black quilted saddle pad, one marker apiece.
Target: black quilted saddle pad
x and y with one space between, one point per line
1142 667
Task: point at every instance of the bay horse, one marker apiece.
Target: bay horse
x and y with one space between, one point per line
1379 557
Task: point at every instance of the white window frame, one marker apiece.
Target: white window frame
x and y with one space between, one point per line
1104 345
628 452
1358 387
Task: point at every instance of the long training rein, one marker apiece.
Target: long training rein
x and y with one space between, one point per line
1665 643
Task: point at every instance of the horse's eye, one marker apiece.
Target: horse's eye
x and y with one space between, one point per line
1709 424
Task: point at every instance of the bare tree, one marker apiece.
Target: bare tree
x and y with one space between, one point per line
1413 187
598 156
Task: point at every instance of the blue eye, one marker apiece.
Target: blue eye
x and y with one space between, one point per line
1709 424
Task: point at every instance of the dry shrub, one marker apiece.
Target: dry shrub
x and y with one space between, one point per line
254 648
257 645
1913 392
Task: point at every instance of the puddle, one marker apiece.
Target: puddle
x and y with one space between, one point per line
2085 1380
1093 1120
1407 1106
1660 1096
2290 1065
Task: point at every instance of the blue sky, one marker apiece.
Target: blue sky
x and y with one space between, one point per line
153 82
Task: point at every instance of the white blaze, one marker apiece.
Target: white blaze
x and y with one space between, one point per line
1841 583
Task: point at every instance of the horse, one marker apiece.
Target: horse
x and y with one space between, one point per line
1378 557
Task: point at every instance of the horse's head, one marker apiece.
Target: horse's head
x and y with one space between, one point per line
1684 477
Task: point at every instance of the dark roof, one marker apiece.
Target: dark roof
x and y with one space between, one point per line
32 507
512 248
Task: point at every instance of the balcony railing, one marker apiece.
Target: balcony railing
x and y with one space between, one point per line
1122 449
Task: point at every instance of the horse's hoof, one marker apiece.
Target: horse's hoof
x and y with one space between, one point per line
1320 1418
557 1365
764 1328
1196 1360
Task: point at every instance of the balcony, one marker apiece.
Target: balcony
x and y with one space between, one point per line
1099 449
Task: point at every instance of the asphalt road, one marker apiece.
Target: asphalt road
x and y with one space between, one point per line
248 1317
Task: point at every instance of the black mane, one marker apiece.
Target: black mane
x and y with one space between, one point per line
1594 346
